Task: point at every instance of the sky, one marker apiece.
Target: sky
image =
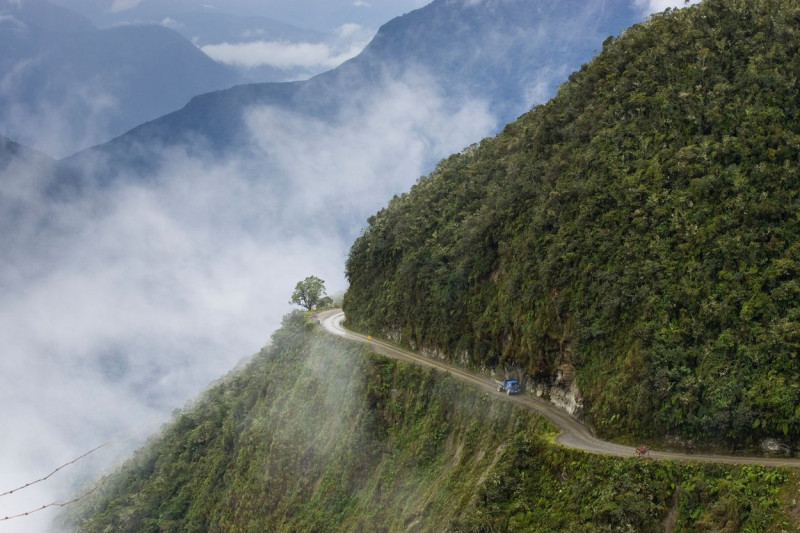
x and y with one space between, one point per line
309 14
120 307
349 24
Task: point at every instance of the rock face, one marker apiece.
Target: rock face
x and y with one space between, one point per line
775 447
564 396
566 374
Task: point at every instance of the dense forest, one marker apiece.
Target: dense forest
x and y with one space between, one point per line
642 226
317 434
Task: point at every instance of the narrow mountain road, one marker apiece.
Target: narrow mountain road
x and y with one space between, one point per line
574 434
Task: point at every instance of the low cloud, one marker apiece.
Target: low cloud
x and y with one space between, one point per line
352 30
171 23
282 55
120 306
349 41
123 5
70 121
656 6
380 148
289 55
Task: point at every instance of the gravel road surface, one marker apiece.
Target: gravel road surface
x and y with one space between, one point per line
574 433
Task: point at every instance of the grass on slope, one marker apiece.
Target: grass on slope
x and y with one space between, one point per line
318 434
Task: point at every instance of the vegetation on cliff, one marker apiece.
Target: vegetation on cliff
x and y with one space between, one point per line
316 434
642 227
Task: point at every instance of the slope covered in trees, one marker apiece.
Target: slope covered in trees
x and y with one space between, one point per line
642 226
316 434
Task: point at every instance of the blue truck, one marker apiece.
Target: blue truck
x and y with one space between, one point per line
511 386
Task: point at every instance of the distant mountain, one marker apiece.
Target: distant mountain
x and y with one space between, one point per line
205 24
320 15
508 54
255 46
44 16
12 152
67 85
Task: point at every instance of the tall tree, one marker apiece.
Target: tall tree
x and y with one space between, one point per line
309 292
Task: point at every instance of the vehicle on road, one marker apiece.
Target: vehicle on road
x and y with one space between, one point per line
511 386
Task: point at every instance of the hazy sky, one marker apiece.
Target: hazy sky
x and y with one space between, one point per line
310 14
116 309
315 14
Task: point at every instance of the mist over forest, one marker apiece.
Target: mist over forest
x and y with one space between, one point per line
121 301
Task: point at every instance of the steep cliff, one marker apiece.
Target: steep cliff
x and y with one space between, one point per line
316 434
640 229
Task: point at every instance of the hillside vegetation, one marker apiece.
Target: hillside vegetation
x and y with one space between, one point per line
642 226
316 434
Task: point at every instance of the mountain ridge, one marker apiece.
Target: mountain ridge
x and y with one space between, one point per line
460 70
71 86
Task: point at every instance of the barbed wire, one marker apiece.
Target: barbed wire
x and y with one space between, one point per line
45 478
54 504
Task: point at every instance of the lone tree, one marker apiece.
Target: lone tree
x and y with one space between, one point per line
309 292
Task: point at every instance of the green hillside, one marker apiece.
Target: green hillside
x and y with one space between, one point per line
642 227
316 434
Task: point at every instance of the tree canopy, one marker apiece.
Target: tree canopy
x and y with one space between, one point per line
309 292
316 434
641 226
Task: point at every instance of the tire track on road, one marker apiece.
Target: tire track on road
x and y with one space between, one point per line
573 433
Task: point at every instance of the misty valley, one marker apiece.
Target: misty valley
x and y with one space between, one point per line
595 198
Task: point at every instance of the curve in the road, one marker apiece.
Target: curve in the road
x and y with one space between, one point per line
574 434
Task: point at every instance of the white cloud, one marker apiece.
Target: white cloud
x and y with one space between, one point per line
351 40
352 30
386 142
270 53
123 5
539 91
12 20
118 307
655 6
347 42
171 23
53 126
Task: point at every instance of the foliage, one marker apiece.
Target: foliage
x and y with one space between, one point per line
310 293
641 226
315 434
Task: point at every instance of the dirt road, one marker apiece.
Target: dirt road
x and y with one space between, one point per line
574 433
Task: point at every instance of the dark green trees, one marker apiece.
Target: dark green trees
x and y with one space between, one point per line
316 434
641 226
309 293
